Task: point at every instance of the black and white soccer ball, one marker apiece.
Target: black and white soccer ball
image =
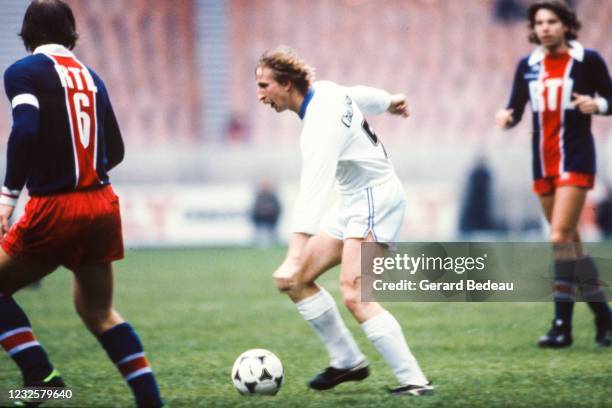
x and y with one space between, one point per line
257 371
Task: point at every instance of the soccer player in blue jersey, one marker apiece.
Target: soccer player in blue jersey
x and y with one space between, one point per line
566 84
63 142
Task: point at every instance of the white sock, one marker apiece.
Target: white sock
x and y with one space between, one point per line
385 333
321 312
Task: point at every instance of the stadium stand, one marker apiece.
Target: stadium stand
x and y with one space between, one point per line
148 63
452 59
145 51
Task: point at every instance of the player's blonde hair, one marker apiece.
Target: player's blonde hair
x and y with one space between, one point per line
288 66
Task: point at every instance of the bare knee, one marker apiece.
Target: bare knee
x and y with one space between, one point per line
295 283
283 284
297 290
562 235
351 297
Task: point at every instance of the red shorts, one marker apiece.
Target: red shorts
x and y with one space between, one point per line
72 229
547 185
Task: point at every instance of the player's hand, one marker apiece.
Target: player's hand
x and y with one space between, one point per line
286 273
585 103
5 215
399 105
504 117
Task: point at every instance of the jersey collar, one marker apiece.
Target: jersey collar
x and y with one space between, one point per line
305 102
56 49
576 51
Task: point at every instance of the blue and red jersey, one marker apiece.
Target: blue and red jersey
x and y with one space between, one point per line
65 136
562 141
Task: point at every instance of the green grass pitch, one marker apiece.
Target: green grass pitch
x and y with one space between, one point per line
197 310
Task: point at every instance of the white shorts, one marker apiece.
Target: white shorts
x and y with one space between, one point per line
377 209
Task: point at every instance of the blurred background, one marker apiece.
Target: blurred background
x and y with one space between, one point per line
206 164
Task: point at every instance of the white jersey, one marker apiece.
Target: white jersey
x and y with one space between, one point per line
338 148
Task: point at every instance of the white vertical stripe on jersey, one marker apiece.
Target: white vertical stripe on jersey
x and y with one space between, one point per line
566 87
94 91
72 141
540 118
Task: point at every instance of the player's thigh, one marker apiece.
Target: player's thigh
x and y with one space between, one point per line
15 274
321 253
546 202
350 271
93 287
567 207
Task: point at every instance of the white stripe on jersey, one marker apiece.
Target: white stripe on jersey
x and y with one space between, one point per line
25 98
565 96
541 108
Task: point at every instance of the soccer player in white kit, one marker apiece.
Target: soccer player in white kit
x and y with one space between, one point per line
340 150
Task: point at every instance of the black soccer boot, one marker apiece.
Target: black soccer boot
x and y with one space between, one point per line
53 380
413 390
603 332
559 336
331 377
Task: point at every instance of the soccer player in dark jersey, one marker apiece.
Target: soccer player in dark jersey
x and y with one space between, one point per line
63 142
566 84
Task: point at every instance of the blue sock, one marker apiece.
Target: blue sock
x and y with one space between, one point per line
592 293
19 342
564 293
125 350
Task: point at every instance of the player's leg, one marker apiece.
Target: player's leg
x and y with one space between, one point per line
93 300
321 253
16 334
572 266
569 202
562 235
318 308
380 327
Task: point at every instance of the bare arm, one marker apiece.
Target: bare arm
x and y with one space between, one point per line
512 114
376 101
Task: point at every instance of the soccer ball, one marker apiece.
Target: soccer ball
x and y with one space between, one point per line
257 371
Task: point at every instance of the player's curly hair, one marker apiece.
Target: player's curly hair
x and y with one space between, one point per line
562 10
288 66
48 22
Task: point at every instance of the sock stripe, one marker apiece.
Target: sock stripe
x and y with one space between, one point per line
17 340
138 373
133 366
125 350
564 287
14 331
23 347
592 291
130 358
564 296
